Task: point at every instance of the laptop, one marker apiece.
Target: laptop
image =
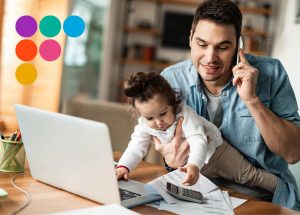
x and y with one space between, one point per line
75 155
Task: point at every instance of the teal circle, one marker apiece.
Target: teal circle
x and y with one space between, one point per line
50 26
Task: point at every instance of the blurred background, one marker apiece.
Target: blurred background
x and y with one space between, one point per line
124 36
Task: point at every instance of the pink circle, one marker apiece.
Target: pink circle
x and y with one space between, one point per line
50 50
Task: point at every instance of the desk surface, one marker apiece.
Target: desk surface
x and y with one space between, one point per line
47 199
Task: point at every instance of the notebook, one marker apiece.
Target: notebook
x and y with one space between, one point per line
75 155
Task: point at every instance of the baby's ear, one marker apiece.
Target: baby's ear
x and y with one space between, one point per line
134 112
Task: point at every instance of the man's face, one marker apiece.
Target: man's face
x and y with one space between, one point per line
212 50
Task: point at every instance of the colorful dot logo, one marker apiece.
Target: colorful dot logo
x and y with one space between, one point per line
73 26
50 50
50 26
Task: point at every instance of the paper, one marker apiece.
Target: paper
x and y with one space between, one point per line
203 185
216 202
194 208
112 209
237 202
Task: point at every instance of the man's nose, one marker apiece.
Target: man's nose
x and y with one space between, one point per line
211 55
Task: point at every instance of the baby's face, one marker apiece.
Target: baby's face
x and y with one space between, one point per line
157 113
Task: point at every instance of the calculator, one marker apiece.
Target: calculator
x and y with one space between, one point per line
185 193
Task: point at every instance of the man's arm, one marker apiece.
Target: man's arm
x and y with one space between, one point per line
281 136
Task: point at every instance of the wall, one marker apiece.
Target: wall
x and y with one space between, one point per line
149 11
109 77
286 48
287 42
44 92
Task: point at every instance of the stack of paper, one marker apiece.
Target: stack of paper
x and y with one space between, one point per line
217 202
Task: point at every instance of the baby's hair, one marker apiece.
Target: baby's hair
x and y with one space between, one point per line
142 87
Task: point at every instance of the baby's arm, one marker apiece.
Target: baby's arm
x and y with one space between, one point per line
194 132
136 149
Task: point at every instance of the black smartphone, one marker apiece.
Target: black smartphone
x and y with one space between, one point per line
184 193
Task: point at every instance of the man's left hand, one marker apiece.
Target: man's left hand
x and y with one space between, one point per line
245 79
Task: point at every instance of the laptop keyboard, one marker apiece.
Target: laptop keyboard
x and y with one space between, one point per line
126 194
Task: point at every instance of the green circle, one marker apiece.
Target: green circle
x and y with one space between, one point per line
50 26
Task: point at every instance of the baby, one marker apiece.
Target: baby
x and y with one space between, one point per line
160 108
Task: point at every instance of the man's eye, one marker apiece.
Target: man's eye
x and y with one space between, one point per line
163 113
223 47
202 44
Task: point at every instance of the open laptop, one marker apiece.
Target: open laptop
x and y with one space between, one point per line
75 155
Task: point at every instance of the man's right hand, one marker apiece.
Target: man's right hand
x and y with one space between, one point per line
177 151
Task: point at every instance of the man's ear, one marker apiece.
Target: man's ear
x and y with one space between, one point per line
190 38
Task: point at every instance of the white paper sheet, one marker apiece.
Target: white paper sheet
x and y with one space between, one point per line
112 209
215 199
237 202
203 185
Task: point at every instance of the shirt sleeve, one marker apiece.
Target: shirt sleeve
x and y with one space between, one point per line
283 100
195 135
136 149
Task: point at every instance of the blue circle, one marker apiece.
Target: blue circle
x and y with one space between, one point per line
74 26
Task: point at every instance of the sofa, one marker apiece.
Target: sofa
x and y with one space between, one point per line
116 116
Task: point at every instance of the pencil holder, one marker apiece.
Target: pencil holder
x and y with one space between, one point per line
12 156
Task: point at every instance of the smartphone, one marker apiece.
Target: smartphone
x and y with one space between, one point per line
240 46
184 193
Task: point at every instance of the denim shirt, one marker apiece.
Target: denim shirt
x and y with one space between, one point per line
238 126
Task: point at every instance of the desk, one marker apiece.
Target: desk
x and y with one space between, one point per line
47 199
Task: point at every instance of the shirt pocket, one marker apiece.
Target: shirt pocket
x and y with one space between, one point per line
244 112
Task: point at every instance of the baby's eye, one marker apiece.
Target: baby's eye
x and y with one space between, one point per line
163 113
150 118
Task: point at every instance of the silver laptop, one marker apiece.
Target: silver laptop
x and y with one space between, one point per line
75 155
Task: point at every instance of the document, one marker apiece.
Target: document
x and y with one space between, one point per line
217 201
203 185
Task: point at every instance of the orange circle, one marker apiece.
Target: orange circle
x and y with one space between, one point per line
26 50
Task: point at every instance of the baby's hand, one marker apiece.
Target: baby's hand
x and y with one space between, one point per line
192 174
122 172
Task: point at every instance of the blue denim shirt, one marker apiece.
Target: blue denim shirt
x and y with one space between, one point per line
238 127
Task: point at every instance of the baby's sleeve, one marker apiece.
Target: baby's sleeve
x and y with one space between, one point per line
136 149
194 132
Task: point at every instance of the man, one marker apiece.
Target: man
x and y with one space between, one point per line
252 103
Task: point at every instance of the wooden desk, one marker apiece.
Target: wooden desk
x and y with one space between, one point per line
47 199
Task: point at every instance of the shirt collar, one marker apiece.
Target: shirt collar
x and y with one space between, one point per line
193 78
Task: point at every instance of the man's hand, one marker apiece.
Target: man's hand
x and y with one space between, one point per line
245 79
192 174
177 151
122 172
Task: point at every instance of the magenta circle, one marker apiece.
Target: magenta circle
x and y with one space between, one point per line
50 50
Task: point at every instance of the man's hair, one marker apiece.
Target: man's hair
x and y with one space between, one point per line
144 86
222 12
